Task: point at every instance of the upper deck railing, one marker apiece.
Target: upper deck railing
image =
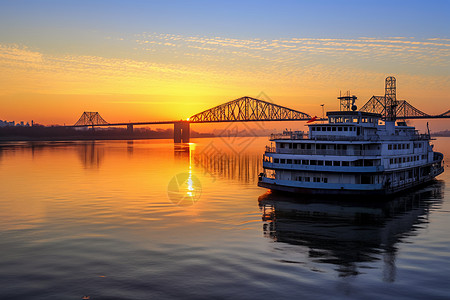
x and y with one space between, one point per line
289 135
300 135
349 152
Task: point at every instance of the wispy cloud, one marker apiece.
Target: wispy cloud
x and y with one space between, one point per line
168 63
428 52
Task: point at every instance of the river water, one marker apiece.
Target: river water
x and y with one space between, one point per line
151 220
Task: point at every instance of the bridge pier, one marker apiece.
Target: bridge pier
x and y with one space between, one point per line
181 132
130 128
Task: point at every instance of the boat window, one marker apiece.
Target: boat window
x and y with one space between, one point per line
320 162
366 179
307 179
313 162
305 162
325 180
339 128
316 179
368 163
395 146
277 160
299 178
345 164
345 128
282 161
390 147
336 163
328 163
289 161
334 128
328 128
308 146
296 161
294 146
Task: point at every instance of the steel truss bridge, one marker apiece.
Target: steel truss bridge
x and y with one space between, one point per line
403 109
248 109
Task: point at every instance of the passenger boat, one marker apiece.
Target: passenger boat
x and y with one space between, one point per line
354 152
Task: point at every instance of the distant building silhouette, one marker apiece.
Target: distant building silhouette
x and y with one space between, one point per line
4 123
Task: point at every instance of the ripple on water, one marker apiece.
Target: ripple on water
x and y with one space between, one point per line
95 219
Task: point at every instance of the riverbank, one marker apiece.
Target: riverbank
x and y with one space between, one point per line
43 133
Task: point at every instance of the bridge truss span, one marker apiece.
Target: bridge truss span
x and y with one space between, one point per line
90 119
248 109
403 110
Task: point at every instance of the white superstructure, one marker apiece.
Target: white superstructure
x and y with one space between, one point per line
353 153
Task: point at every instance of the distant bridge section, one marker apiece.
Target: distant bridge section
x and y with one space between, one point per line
403 109
248 109
391 108
89 118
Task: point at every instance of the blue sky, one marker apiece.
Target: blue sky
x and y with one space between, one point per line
42 21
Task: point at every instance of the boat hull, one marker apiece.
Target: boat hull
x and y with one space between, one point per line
347 192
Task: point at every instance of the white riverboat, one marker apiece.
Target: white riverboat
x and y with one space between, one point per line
355 152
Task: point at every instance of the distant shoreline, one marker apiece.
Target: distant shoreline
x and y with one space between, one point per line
43 133
441 134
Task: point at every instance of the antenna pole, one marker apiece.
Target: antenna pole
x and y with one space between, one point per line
323 113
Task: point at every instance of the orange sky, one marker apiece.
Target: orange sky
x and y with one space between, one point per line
136 75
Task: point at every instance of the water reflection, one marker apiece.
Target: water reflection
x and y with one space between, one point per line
348 235
244 167
182 152
91 154
184 189
130 147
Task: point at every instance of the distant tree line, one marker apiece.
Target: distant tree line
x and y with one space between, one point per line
39 132
441 133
